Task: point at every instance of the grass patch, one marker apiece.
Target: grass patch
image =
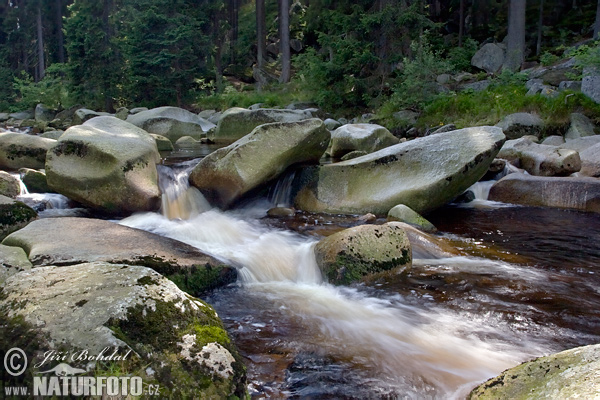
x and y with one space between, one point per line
274 96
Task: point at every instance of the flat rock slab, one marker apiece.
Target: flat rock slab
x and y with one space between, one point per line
560 192
70 240
131 310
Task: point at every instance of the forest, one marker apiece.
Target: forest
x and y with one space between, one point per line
347 57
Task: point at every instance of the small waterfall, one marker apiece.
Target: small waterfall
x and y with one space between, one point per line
179 199
481 190
23 189
281 194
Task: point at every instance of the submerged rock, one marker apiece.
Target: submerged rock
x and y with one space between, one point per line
356 253
107 164
227 174
19 150
570 374
100 240
405 214
237 122
568 192
423 174
360 137
163 335
14 215
171 122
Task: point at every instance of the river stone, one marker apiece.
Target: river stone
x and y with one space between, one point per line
83 114
589 152
9 185
19 150
540 159
360 137
489 58
570 374
423 174
356 253
162 143
237 122
590 84
12 261
186 140
101 240
402 213
517 125
580 126
14 215
225 175
559 192
52 134
107 164
554 140
165 336
137 110
4 117
171 122
353 154
331 124
444 128
122 113
35 181
43 113
23 115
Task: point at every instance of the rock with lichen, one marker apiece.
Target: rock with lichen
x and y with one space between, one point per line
19 150
14 215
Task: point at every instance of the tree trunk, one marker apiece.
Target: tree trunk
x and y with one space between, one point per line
41 70
59 32
261 36
461 22
538 47
597 24
515 48
233 22
284 41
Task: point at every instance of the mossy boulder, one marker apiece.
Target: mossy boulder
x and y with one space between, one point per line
360 137
402 213
12 261
34 180
19 150
227 174
236 122
164 335
423 174
518 125
360 252
9 185
570 374
14 215
106 164
581 126
78 240
162 143
171 122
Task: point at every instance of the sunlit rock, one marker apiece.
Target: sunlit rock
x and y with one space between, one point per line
171 122
360 137
19 150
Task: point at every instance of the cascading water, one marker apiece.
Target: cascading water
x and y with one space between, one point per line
417 350
281 194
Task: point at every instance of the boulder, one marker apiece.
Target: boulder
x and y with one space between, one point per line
361 137
14 215
186 140
162 143
590 84
489 58
4 117
122 113
402 213
423 174
478 86
566 192
331 124
356 253
9 185
574 86
19 150
162 335
84 114
23 115
554 140
107 164
225 175
580 126
238 122
171 122
206 114
52 134
35 181
407 116
101 240
43 113
541 159
570 374
137 110
517 125
589 153
444 128
12 261
353 154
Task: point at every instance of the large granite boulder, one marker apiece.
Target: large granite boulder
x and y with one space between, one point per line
43 113
489 58
225 175
560 192
590 83
171 122
85 114
423 174
360 137
14 215
19 150
237 122
12 261
581 126
357 253
570 374
10 186
69 240
517 125
162 335
107 164
541 159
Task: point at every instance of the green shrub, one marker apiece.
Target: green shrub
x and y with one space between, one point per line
51 90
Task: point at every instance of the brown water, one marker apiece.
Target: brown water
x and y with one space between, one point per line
496 286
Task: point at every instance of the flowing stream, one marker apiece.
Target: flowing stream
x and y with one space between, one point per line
470 307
